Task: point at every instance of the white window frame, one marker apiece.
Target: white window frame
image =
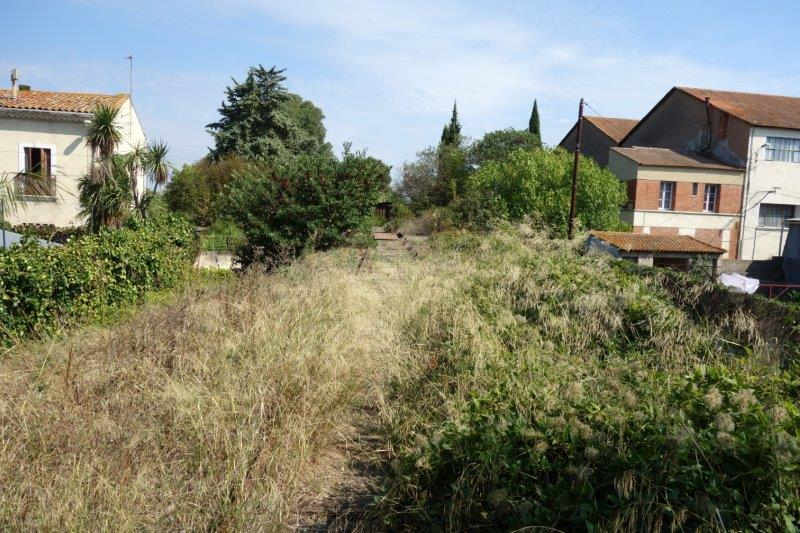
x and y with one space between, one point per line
715 204
661 196
788 147
53 163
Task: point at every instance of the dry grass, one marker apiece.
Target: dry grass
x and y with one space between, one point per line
211 412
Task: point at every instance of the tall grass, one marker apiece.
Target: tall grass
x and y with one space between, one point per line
510 382
212 412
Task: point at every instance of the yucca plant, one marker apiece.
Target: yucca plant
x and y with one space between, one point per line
104 134
105 202
157 163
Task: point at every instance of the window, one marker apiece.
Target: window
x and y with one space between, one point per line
782 149
694 189
774 215
37 178
667 197
711 198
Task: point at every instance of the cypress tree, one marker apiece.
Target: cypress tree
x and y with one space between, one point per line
451 134
533 123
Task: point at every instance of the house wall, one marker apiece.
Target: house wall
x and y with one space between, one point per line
132 136
765 242
595 143
644 184
680 122
71 159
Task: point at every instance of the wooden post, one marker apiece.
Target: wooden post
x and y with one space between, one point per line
579 138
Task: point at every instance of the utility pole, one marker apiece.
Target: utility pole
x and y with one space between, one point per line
579 138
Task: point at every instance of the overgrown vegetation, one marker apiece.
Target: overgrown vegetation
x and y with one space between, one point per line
505 381
44 289
579 394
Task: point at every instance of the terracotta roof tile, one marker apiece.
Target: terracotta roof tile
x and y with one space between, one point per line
666 157
757 109
641 242
615 128
57 101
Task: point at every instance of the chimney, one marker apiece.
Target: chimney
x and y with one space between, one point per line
14 86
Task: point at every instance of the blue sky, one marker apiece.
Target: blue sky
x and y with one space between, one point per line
386 73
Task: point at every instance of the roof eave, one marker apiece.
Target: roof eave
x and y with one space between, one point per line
39 114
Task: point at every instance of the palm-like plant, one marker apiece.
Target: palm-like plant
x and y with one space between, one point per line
105 203
157 163
104 135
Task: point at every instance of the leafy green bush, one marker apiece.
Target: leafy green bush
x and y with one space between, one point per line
537 183
195 189
287 206
42 289
563 391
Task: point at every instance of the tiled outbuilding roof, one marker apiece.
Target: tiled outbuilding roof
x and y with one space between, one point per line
767 110
642 242
615 128
58 101
666 157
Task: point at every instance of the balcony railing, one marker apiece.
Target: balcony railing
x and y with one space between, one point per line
35 186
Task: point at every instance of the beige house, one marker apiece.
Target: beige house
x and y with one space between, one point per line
671 193
44 134
755 136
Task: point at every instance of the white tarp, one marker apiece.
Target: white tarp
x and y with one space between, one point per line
738 283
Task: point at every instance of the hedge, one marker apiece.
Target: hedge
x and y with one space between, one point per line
42 289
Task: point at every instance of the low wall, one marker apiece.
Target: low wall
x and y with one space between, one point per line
221 260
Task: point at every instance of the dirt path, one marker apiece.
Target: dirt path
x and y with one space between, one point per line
348 477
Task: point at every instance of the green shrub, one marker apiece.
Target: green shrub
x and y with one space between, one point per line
42 289
537 183
307 202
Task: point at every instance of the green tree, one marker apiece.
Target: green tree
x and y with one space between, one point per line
418 183
497 145
533 123
538 184
307 202
195 189
451 134
261 119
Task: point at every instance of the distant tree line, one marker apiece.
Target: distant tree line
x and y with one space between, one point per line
508 175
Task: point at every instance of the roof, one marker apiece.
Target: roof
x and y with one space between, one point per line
58 101
642 242
767 110
615 128
666 157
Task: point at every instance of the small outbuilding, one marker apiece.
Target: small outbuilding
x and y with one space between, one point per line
673 251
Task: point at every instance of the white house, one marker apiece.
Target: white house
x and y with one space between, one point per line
44 134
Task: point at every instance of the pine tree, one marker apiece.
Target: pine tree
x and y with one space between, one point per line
533 123
260 118
451 134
